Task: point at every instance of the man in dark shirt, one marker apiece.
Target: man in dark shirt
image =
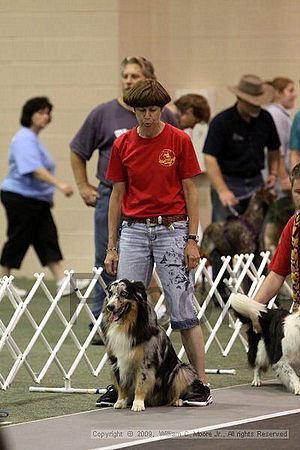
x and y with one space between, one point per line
234 150
234 147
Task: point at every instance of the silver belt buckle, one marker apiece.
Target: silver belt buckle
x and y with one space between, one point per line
157 221
149 224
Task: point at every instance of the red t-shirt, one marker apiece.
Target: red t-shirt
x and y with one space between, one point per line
281 261
153 170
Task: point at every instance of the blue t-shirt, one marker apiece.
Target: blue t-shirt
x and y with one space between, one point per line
295 133
27 154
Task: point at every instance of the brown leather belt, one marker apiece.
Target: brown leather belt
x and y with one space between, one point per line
160 220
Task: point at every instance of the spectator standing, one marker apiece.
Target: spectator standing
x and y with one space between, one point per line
27 196
191 109
234 152
283 208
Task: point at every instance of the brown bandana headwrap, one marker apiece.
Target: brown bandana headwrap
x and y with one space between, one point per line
295 273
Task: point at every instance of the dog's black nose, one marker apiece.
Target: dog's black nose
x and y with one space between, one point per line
110 307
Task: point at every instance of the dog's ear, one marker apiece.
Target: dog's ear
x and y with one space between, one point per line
107 290
140 289
108 286
146 313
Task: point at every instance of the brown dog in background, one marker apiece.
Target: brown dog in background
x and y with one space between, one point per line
240 233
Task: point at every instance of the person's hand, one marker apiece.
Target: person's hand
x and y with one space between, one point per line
285 184
270 181
256 324
228 198
111 261
191 255
89 194
65 188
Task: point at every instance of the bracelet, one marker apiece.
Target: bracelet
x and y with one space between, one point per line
111 249
193 237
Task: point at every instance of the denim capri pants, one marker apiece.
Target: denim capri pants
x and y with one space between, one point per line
141 246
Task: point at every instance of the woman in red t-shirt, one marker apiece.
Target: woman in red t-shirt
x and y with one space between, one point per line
153 169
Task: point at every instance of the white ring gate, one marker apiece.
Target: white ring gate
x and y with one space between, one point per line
237 269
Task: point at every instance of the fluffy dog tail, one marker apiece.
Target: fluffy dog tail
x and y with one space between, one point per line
245 306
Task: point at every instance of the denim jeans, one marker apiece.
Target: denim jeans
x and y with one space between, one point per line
242 188
141 246
101 238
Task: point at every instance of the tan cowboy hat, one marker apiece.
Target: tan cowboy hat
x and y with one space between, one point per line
252 89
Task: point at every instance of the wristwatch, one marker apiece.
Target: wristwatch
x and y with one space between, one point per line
193 237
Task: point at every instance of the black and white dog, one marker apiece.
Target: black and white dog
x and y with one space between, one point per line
278 344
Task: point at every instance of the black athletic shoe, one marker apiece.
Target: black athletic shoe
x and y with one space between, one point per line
109 398
200 396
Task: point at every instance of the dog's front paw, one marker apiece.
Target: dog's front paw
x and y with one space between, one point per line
138 405
178 402
121 403
297 389
256 382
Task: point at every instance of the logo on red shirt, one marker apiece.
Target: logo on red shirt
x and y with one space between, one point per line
167 157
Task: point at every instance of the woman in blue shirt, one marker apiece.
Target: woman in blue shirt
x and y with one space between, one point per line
27 194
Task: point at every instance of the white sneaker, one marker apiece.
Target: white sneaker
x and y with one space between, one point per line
81 284
19 291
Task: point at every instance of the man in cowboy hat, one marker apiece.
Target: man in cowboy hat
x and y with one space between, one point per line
234 150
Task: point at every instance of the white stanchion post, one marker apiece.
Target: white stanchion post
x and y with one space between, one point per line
41 326
225 312
101 364
10 342
82 348
258 280
237 261
161 297
68 329
66 390
15 352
